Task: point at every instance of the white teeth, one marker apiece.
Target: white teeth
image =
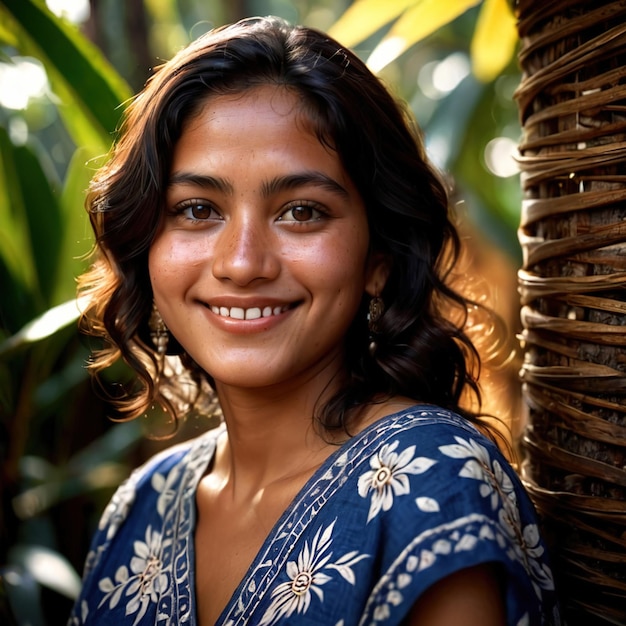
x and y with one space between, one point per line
237 313
253 313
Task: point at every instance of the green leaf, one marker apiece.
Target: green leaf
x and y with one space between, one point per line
48 568
43 326
494 41
452 117
421 20
7 34
77 236
167 33
365 17
23 594
90 91
42 216
98 466
16 252
108 448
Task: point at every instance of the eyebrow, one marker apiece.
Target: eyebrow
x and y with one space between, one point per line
303 179
201 180
275 185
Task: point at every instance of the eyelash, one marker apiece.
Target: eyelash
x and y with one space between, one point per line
313 206
181 209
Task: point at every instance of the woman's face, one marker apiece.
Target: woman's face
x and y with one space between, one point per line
262 260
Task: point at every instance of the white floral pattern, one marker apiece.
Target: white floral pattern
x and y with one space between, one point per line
145 581
496 484
308 575
117 509
523 542
151 577
326 561
388 476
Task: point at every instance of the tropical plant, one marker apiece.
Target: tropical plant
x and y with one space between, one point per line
44 392
60 457
492 45
573 231
474 111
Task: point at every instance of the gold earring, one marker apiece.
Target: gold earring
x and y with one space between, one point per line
158 331
375 312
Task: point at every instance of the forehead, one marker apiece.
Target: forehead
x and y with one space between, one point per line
266 119
257 104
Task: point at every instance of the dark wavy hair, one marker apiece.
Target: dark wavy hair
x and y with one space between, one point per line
423 351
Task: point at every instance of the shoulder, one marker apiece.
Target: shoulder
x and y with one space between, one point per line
132 549
429 428
432 448
428 461
151 485
441 498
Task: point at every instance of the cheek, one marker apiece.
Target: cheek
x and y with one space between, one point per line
171 260
159 264
335 268
347 261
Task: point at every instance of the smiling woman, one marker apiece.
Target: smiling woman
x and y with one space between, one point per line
261 261
269 220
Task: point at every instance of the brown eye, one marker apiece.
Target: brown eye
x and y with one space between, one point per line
200 211
301 212
197 211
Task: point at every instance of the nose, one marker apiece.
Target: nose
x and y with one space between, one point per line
244 252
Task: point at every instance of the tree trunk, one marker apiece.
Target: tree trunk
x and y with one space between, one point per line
572 102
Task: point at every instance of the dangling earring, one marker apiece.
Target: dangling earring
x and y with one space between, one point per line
376 310
158 331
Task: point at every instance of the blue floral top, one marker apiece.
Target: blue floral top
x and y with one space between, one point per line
410 500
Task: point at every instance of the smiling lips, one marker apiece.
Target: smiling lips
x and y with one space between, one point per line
253 313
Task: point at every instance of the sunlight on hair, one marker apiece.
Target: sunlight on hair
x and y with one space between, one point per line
485 276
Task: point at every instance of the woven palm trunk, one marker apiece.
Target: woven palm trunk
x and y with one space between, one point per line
572 102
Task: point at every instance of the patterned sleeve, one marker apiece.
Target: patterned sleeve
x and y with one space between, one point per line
130 525
455 504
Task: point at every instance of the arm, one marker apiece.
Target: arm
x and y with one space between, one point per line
470 597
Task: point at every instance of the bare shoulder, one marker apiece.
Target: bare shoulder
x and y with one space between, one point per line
478 600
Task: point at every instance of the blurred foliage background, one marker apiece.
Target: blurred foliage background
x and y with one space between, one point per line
66 69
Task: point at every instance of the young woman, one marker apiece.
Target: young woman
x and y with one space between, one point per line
269 220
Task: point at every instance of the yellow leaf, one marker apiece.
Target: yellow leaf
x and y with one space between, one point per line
364 17
421 20
7 29
494 40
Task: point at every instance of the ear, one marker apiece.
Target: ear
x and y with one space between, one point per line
377 272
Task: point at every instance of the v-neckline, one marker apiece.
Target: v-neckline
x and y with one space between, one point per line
293 509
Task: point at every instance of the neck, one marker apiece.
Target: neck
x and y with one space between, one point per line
272 436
